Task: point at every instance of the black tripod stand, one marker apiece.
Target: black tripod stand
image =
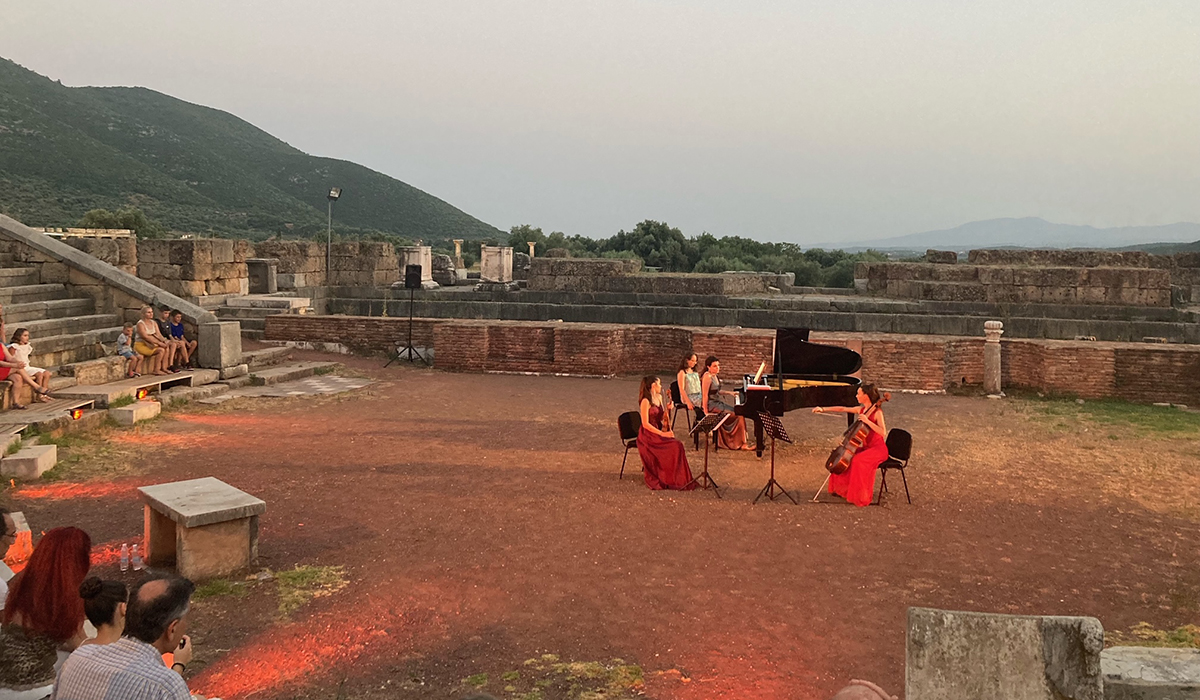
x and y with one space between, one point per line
707 425
775 429
408 350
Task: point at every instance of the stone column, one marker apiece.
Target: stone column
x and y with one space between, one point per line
495 264
531 246
458 261
417 255
992 330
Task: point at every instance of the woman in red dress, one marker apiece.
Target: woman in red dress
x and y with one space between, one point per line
664 463
857 484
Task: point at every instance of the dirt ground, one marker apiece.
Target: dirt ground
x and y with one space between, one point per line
484 536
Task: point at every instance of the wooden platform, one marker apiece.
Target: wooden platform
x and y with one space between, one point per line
105 394
13 421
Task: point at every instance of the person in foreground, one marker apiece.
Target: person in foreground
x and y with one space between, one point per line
863 690
132 668
13 369
104 603
857 484
43 613
664 463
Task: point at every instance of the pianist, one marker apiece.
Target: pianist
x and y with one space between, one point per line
732 435
664 464
857 484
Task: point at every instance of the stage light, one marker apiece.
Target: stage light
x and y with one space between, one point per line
142 393
334 193
76 413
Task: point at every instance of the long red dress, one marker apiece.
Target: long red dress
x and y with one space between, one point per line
857 484
664 463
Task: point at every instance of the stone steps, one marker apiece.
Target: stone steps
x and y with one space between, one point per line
74 347
27 293
266 357
105 394
252 310
19 276
65 325
291 372
21 314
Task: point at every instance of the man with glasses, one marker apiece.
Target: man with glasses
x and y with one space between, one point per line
7 539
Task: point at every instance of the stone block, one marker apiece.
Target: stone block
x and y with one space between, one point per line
55 273
127 251
30 462
220 344
153 251
1058 295
94 372
197 271
103 249
496 264
135 412
184 288
158 271
995 275
243 285
222 251
1144 673
243 250
235 371
79 277
941 257
215 527
262 275
214 551
416 255
955 655
228 285
191 251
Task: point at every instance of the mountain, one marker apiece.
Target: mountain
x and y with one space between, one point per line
1032 232
66 150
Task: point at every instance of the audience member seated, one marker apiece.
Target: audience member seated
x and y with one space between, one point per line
863 690
43 614
7 539
132 668
13 370
133 361
21 350
104 605
732 435
179 335
151 345
664 463
164 328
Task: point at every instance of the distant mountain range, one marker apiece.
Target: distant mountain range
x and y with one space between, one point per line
66 150
1032 232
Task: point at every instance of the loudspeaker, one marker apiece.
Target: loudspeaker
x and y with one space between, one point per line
412 276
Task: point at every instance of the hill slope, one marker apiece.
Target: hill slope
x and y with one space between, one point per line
1032 232
66 150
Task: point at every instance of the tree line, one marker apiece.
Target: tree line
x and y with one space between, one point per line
662 246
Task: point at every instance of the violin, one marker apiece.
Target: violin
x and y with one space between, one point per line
852 441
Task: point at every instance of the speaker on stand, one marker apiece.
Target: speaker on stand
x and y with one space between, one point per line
412 282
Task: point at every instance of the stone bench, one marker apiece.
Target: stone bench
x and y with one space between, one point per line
205 527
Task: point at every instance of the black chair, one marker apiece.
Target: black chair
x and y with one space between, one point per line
677 399
899 446
629 423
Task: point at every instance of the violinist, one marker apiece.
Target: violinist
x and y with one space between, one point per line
857 484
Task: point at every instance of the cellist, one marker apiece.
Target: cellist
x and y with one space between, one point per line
857 484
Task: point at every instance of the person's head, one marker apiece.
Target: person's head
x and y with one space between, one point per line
104 602
176 316
868 395
862 690
650 388
712 365
20 336
148 313
157 612
127 329
688 362
164 312
9 537
45 596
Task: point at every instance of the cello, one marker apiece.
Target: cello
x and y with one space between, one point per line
852 441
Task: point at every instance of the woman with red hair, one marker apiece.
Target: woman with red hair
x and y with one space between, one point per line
43 613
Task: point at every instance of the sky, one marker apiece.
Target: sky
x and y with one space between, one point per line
795 120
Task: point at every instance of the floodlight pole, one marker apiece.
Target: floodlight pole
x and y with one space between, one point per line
329 242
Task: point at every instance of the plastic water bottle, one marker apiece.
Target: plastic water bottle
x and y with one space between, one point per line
137 558
124 558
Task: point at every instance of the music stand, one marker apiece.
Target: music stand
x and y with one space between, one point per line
708 424
774 428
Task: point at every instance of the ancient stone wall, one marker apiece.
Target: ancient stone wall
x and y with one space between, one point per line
195 267
301 263
365 263
593 275
118 252
1133 371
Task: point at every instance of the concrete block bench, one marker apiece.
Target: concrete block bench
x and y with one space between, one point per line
205 527
135 412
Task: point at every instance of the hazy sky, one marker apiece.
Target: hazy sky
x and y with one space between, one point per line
803 121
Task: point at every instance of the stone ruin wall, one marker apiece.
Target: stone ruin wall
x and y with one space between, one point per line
1133 371
195 267
1040 277
597 275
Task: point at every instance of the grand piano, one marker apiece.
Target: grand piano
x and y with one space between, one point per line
805 375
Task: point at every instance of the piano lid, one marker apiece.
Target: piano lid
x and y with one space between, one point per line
795 355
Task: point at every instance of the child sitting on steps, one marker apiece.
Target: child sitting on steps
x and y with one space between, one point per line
125 349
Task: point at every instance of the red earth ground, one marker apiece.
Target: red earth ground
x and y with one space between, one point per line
481 523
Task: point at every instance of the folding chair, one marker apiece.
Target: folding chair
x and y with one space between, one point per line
628 424
899 446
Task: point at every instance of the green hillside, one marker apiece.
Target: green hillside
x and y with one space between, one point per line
66 150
